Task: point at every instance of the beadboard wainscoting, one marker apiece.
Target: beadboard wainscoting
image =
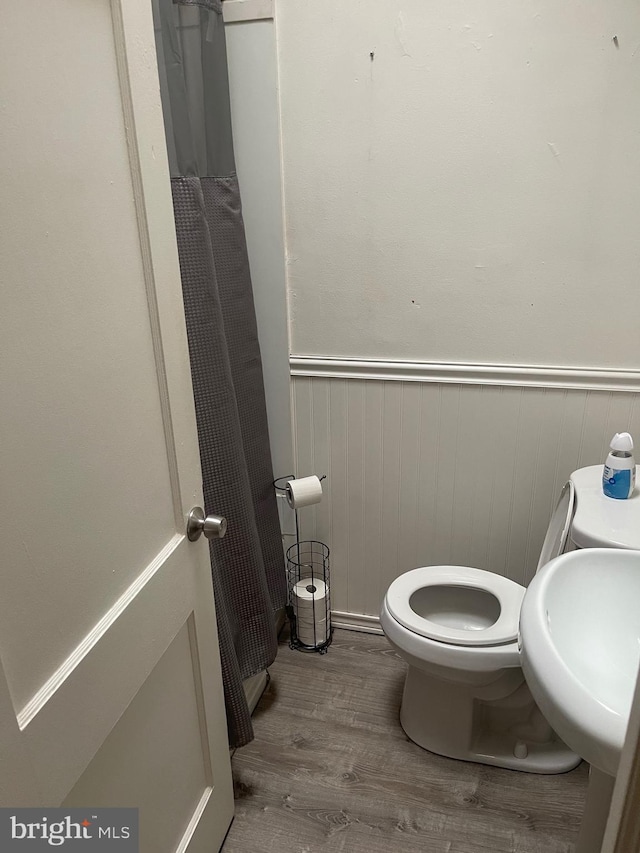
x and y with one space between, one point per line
426 465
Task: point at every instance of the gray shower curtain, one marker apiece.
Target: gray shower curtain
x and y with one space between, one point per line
247 565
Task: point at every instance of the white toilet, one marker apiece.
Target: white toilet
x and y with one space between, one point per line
457 628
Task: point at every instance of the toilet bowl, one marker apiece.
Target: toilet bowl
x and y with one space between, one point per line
465 695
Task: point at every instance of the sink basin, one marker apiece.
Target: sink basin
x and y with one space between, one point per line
580 648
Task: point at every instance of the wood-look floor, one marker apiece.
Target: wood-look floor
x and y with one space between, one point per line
330 769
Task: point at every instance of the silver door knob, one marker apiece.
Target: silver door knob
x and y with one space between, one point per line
213 526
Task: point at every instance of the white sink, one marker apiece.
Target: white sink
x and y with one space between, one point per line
580 648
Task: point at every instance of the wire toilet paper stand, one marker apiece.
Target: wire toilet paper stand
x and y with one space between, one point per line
308 589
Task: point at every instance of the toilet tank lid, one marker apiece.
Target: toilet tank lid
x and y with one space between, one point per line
558 529
599 521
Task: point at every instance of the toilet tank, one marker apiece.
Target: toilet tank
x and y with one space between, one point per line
585 518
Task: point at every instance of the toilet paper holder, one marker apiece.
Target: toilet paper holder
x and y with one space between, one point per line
308 588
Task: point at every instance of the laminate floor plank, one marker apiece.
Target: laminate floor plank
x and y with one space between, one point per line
330 769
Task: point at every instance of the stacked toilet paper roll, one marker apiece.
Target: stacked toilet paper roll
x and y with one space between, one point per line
311 607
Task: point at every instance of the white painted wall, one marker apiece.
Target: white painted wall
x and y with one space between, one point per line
470 194
253 83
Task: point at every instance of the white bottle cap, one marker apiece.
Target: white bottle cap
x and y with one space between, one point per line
622 441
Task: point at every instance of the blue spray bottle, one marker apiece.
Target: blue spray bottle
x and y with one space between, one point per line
619 475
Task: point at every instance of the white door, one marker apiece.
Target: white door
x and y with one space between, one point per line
110 689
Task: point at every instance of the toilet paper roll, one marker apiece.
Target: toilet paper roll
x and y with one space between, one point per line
307 590
304 492
310 637
305 630
310 601
309 621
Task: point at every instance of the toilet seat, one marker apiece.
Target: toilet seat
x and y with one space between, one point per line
509 596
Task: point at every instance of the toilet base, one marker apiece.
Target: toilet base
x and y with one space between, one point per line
497 723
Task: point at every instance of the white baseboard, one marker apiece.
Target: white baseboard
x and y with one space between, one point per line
356 622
